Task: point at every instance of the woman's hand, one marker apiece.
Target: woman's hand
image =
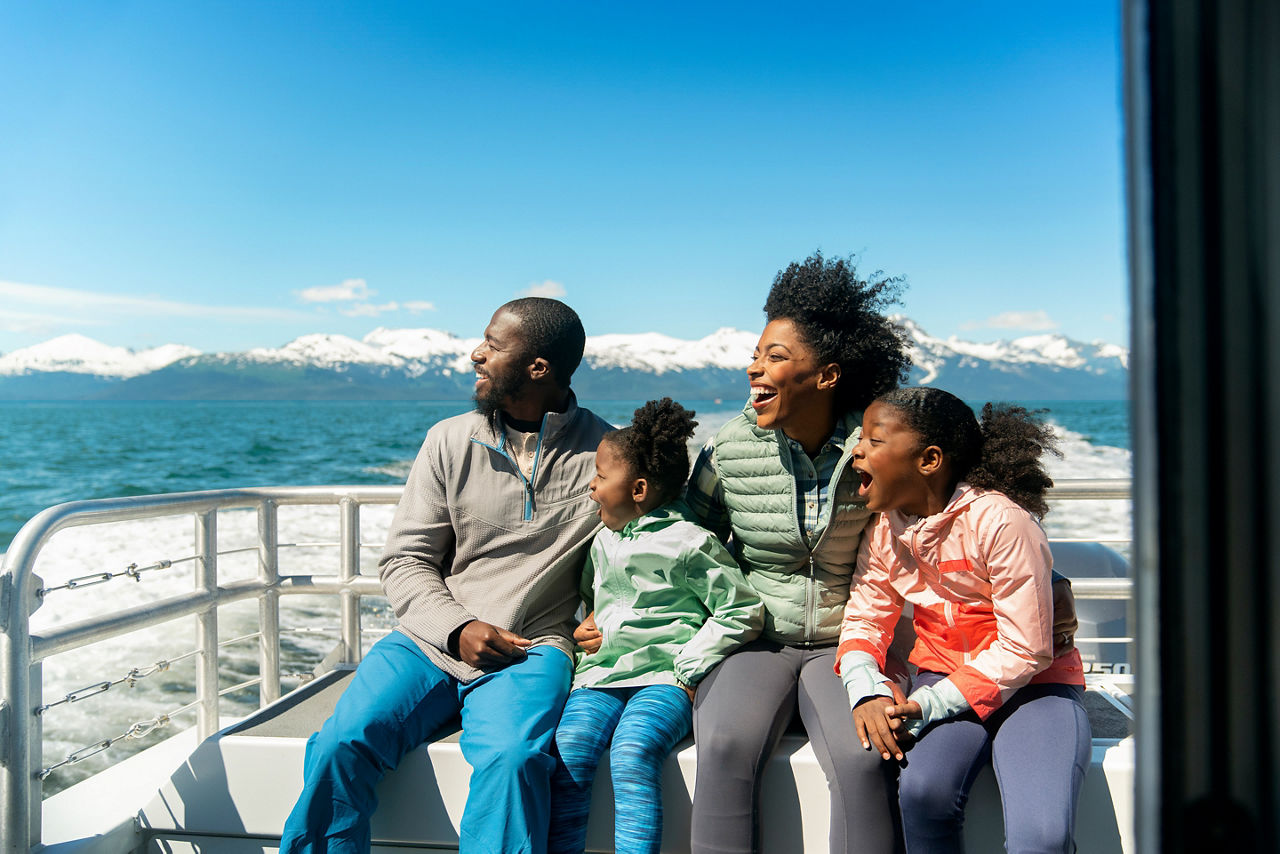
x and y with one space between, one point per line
875 727
587 635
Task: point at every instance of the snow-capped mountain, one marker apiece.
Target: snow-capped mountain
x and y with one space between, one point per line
930 354
77 354
1036 367
654 352
431 364
423 345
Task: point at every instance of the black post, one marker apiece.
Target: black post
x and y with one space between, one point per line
1203 104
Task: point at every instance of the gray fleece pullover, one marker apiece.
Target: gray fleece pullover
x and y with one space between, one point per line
474 539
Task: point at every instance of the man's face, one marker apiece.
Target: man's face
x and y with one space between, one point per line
501 363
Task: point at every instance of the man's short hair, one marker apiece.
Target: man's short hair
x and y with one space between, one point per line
553 331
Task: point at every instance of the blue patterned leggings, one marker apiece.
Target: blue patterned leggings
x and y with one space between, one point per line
643 724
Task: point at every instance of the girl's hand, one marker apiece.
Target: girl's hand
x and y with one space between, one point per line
587 635
689 691
899 713
875 728
904 710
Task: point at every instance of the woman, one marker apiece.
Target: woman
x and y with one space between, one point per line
776 481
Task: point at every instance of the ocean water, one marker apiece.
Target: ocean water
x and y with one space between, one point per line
56 452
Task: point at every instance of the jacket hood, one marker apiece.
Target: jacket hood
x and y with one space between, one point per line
658 518
926 531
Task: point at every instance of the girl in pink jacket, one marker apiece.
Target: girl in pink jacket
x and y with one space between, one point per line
958 537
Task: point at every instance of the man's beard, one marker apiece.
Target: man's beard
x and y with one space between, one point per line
503 387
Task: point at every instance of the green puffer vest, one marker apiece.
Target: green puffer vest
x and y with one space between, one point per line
804 591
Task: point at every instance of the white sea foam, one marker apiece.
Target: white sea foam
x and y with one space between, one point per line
1106 521
397 470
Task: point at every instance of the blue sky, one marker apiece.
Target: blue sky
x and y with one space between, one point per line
235 174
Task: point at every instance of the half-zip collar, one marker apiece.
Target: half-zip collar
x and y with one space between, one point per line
491 435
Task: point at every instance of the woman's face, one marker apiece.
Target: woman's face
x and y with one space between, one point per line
789 388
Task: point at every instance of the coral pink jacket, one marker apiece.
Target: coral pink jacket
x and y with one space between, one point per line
978 577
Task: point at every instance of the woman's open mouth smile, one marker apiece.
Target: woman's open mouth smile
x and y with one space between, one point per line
762 396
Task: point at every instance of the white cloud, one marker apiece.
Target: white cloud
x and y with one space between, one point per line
348 291
548 288
27 323
366 309
80 307
1038 320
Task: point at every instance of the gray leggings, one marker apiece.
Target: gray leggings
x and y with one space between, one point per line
741 711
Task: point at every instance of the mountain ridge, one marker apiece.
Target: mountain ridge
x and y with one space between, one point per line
434 364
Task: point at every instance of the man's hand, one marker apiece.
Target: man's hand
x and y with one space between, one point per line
587 635
488 647
1064 617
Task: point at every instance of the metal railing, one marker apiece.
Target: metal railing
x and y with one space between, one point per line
21 652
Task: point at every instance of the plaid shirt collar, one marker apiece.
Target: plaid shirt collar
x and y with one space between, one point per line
813 476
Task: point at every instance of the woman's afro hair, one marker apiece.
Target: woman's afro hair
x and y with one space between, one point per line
655 446
842 318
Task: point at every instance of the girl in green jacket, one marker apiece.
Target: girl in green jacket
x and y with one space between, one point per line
671 603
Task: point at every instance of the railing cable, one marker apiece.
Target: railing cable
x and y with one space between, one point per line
136 674
139 729
131 571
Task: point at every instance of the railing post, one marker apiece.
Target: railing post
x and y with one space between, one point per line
269 604
35 803
19 791
348 570
207 624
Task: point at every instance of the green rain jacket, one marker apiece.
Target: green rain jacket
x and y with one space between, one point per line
669 600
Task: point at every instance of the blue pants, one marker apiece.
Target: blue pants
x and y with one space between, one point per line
396 701
1039 746
644 724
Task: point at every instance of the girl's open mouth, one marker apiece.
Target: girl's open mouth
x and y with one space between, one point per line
866 481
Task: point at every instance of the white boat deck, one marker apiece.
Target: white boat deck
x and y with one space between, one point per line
233 792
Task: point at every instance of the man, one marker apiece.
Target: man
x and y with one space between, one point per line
482 565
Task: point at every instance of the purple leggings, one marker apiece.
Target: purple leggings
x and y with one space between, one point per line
1038 742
